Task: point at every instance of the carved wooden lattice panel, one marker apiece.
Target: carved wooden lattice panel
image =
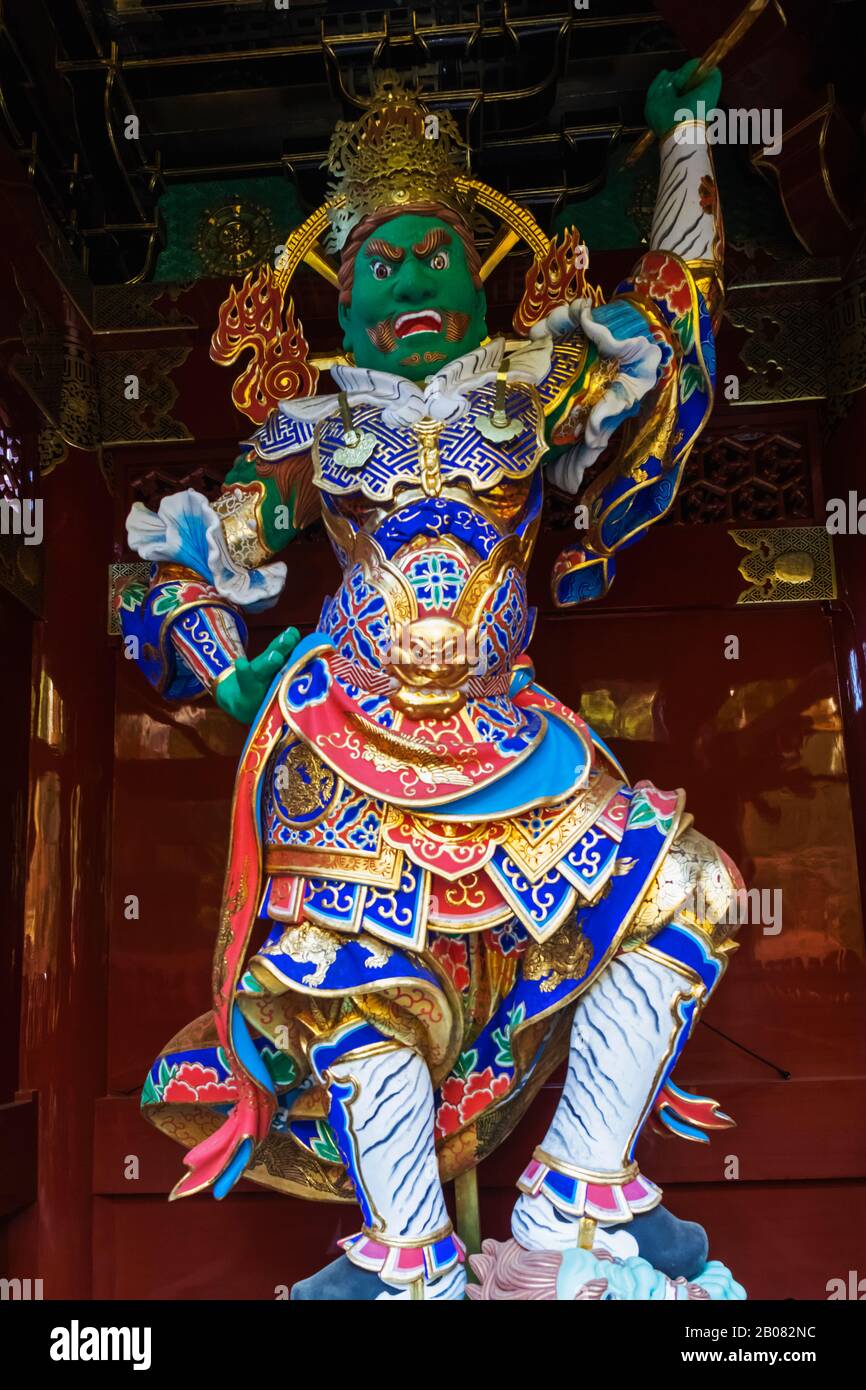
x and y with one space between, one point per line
746 473
151 487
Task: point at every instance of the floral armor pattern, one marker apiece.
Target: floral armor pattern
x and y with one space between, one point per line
447 856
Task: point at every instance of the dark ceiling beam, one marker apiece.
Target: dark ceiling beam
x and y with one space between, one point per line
436 34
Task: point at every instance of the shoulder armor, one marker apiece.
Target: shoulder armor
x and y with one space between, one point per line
280 436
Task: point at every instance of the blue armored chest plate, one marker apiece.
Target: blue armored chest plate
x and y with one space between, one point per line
404 456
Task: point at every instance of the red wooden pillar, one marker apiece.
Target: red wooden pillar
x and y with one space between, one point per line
64 978
17 1115
844 476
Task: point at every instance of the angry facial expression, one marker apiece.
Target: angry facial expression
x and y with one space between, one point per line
414 305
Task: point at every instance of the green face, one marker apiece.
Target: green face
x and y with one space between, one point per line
414 306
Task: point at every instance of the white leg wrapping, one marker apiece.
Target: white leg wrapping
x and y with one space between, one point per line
623 1034
391 1123
382 1110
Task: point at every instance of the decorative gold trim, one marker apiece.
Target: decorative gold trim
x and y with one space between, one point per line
581 778
574 819
695 990
119 575
510 553
696 984
165 636
468 1212
591 1175
303 243
229 671
376 1049
580 351
786 564
397 1243
382 869
618 466
824 114
355 1084
387 578
239 508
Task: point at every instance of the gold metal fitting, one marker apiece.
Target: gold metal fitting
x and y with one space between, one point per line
431 659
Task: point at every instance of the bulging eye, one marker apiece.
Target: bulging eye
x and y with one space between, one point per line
439 261
381 270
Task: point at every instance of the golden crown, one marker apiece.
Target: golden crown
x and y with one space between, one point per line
397 152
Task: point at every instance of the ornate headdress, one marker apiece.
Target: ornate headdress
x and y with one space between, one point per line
397 152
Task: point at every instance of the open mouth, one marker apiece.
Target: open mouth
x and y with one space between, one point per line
417 321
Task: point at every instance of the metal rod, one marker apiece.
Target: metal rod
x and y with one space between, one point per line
711 59
320 263
425 33
468 1214
785 1075
498 253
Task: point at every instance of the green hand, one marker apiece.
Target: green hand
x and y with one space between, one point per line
241 692
666 100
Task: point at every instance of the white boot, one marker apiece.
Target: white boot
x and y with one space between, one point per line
583 1186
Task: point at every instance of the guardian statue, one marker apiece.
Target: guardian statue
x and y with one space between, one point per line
460 886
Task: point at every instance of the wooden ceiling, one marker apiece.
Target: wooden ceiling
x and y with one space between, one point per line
223 91
545 92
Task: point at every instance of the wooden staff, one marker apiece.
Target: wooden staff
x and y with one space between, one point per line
711 59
